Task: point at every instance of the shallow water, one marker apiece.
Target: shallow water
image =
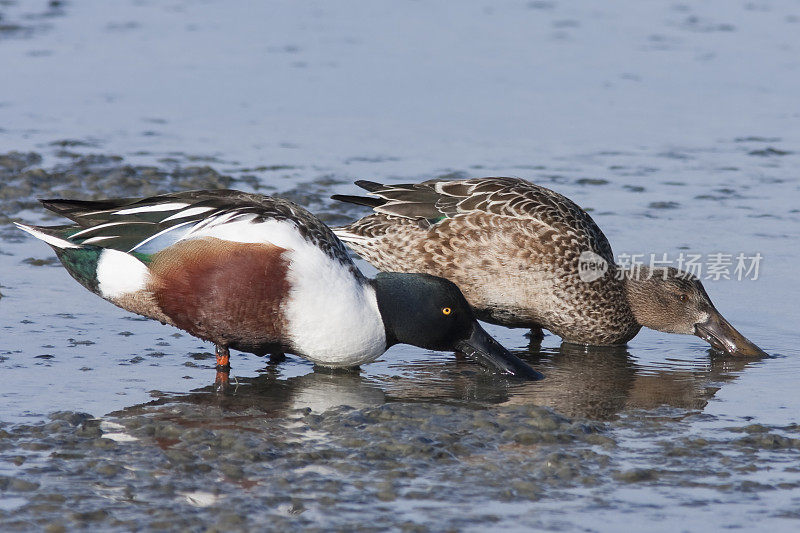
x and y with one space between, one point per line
675 124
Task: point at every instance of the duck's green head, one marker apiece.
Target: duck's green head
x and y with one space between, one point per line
432 313
670 300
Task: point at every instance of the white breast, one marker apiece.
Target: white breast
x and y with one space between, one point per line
332 316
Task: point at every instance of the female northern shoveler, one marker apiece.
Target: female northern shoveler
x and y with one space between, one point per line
516 249
261 275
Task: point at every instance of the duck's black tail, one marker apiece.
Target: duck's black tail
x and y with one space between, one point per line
359 200
370 186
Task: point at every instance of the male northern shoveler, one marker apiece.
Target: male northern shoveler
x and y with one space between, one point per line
516 251
258 274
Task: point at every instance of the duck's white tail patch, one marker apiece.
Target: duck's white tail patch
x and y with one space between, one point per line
119 273
49 239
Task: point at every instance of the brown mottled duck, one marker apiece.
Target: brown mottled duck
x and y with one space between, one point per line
516 251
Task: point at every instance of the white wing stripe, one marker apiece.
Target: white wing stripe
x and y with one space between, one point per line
94 240
281 233
152 208
99 226
227 218
188 213
162 232
223 219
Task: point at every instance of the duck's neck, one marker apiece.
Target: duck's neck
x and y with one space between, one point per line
396 302
640 289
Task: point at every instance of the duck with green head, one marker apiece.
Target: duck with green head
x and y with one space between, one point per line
259 274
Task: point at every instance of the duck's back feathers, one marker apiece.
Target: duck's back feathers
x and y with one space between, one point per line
512 199
513 247
148 225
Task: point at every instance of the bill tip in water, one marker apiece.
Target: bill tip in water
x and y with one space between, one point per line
485 350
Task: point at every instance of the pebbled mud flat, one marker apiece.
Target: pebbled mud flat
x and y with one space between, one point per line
253 459
236 467
92 177
24 178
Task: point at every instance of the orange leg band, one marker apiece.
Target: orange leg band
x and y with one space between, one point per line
223 359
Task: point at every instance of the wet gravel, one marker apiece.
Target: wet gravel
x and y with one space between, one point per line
92 177
25 19
237 466
24 178
209 462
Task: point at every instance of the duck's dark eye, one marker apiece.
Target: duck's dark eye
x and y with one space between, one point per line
684 297
446 311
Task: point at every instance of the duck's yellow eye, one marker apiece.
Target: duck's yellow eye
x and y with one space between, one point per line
446 310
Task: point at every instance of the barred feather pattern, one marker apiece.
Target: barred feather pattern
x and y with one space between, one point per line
512 247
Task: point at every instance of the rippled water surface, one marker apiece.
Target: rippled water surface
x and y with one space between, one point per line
675 124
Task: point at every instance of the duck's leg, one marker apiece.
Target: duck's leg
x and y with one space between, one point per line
222 380
535 334
276 357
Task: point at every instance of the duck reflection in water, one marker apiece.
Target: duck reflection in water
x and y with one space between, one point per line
597 383
586 382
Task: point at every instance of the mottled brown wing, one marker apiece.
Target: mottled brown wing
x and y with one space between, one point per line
430 202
